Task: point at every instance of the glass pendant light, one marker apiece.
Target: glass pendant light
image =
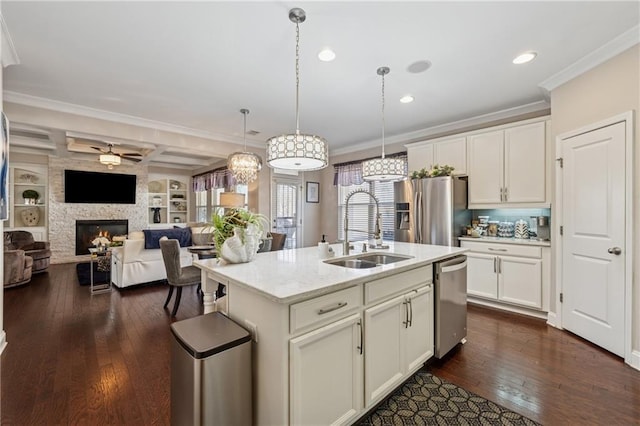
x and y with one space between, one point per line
297 151
384 169
244 165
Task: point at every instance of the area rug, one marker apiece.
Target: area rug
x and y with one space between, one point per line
425 399
84 274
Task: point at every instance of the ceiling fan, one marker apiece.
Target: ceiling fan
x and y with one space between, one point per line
110 158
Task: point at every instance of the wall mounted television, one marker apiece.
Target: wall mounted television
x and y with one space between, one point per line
99 188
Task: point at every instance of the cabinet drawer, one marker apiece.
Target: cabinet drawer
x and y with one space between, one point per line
324 309
503 249
383 288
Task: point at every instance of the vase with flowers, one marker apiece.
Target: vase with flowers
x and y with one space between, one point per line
237 234
101 243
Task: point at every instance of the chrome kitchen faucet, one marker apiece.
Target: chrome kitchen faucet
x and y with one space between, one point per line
378 227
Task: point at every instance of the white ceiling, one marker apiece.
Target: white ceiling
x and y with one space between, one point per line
191 66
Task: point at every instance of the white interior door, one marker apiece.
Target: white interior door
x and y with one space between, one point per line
593 262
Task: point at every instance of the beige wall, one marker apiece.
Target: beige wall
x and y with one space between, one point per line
605 91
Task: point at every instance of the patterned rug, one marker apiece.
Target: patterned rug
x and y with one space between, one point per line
425 399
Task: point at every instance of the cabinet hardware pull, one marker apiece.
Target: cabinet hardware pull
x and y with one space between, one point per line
339 305
499 265
506 194
361 337
495 249
410 313
501 194
406 314
495 270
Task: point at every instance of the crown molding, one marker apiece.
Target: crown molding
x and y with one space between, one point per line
449 127
64 107
9 53
602 54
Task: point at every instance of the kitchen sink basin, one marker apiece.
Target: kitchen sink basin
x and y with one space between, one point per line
368 260
353 263
382 259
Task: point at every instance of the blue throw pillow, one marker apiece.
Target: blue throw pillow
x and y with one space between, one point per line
152 237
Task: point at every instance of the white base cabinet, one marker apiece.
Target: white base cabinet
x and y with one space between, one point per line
509 273
398 340
326 374
329 359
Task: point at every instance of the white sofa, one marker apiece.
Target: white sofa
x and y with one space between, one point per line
132 264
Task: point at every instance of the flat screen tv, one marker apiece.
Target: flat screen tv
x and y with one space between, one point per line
99 188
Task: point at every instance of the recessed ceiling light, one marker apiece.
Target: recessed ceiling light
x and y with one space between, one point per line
406 99
326 55
419 66
525 57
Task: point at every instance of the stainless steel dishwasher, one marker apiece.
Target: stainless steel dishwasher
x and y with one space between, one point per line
450 277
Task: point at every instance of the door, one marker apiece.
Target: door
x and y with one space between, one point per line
326 374
525 164
384 346
520 281
486 159
419 334
481 275
593 265
286 209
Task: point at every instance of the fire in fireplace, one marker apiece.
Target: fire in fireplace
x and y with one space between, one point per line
88 230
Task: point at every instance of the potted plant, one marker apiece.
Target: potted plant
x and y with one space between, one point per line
237 234
30 196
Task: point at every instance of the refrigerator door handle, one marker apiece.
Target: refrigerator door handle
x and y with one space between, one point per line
418 217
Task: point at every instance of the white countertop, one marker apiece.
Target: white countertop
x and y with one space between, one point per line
287 276
502 240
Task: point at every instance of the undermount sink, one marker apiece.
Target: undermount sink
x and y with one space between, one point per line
368 260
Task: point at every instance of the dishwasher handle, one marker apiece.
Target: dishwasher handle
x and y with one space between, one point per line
456 267
455 264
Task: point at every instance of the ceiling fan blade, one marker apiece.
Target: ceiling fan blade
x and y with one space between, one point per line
130 154
126 157
98 149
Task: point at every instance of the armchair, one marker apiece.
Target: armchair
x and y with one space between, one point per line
17 268
39 251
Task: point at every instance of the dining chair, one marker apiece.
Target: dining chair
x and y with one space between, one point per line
177 276
278 241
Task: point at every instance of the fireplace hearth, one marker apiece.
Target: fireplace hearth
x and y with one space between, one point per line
87 230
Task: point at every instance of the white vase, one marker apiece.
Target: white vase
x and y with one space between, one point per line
243 246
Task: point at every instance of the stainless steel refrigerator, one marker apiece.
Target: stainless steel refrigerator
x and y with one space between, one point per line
431 210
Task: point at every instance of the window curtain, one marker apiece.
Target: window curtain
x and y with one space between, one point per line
350 173
221 178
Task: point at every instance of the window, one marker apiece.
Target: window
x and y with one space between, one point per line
207 202
362 210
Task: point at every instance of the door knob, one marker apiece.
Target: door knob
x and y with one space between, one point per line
615 250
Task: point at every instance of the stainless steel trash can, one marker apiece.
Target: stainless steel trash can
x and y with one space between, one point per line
210 372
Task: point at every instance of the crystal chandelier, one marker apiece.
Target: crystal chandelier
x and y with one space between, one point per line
297 151
384 169
244 165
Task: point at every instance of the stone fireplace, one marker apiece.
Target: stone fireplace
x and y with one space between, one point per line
87 230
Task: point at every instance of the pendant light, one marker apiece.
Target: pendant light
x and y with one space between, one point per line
297 151
244 165
384 169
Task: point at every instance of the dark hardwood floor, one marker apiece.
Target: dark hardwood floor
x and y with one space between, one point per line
73 358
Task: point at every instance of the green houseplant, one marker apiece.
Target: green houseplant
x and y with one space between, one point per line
30 196
237 234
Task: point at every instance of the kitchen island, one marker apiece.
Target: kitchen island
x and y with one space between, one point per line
330 341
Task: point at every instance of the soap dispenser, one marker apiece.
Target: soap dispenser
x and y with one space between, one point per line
323 248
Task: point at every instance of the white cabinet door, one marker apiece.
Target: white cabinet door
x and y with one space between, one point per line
452 152
419 333
481 275
520 281
525 164
486 157
384 346
420 157
326 379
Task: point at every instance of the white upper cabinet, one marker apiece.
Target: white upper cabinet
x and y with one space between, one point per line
449 151
509 167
